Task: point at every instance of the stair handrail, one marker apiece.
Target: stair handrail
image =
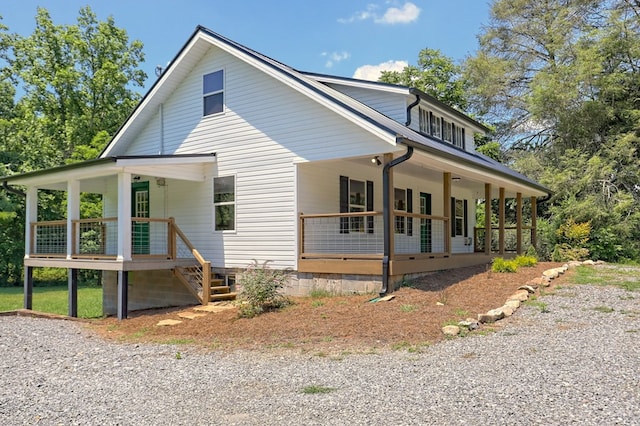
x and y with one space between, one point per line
204 264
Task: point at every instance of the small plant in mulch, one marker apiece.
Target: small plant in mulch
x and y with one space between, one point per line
501 265
261 290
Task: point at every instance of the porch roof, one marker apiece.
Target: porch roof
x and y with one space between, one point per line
180 166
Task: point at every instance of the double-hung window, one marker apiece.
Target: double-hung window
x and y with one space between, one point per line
403 202
224 203
356 196
460 217
213 92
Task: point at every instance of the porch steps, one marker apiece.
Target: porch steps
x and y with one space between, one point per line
191 277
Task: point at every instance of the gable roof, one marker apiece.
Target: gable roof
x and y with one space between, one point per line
312 85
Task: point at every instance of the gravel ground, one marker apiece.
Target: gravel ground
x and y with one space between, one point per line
574 364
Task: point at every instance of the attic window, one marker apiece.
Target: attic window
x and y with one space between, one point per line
213 92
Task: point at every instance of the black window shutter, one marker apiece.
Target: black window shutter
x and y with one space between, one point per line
409 210
344 204
452 218
453 133
466 220
369 206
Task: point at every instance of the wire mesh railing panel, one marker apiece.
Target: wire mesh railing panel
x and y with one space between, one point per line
50 238
510 239
361 234
421 236
97 237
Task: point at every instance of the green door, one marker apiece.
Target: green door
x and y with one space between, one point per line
140 208
426 236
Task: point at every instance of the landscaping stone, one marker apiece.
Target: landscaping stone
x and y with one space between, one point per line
589 262
529 288
507 310
469 324
574 263
168 322
520 295
451 330
491 316
551 273
512 303
190 315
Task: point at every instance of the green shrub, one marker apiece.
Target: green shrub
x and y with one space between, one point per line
501 265
573 239
525 261
261 288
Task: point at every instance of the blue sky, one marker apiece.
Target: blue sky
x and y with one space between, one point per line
340 37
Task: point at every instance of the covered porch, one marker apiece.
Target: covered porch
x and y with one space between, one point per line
127 238
432 228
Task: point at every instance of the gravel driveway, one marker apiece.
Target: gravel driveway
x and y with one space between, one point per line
577 363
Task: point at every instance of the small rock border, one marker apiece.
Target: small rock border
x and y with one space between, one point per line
514 301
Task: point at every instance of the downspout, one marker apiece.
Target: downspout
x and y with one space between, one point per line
8 188
409 108
386 215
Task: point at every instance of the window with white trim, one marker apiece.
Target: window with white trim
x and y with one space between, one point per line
447 131
423 121
356 196
436 130
224 203
458 139
213 93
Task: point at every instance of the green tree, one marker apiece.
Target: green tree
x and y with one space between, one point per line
436 75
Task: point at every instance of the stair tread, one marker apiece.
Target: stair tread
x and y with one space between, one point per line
223 296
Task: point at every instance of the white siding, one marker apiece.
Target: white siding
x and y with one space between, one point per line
392 105
265 129
469 130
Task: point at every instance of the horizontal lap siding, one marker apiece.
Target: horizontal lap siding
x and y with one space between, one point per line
265 129
392 105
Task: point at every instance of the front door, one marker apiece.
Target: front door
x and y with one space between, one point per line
140 208
425 224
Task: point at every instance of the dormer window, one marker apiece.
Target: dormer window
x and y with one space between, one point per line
213 92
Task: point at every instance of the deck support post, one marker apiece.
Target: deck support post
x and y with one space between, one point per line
123 294
501 220
28 287
73 292
487 218
519 223
31 216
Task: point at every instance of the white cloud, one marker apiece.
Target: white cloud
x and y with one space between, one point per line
373 72
335 57
409 12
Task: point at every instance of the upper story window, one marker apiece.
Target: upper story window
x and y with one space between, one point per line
438 127
213 92
458 137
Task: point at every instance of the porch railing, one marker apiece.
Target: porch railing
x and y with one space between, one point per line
510 238
97 238
361 235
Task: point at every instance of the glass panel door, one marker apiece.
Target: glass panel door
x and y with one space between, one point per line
140 240
426 237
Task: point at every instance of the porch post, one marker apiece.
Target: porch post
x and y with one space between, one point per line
73 292
534 223
28 287
124 216
446 204
519 223
487 218
123 294
31 216
73 213
501 222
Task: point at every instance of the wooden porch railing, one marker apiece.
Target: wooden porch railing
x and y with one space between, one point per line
196 278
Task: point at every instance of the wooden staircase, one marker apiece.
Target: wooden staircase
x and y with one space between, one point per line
197 278
193 279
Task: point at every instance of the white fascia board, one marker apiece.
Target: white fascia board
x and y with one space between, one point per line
363 84
164 161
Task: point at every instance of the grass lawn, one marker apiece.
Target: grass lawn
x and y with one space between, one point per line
54 300
623 276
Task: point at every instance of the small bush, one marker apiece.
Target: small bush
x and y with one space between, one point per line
501 265
261 288
525 261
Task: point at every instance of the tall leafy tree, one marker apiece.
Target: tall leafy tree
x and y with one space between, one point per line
77 87
436 75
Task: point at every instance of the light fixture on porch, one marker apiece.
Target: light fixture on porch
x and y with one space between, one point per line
136 178
161 181
456 179
376 160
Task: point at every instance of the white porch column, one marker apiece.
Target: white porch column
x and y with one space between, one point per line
124 216
73 213
31 215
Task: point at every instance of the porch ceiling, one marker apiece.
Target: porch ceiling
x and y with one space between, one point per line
94 175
